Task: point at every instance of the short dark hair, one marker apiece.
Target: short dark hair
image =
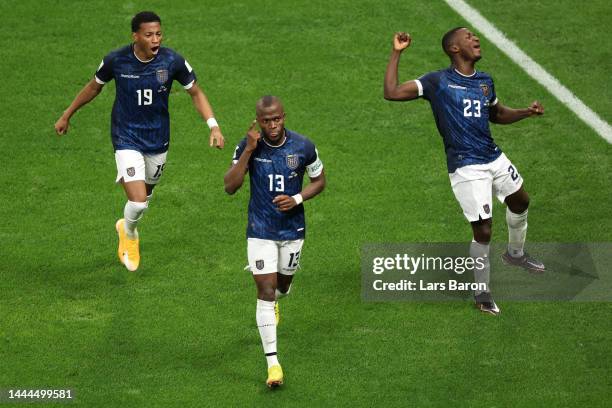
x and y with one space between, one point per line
447 39
144 17
268 100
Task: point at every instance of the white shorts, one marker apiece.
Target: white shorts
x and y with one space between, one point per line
473 186
133 165
267 256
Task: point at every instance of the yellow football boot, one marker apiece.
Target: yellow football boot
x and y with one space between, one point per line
275 376
129 249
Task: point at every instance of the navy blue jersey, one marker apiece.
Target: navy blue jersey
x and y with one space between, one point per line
273 171
460 105
140 119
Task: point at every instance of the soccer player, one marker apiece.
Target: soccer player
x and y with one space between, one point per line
140 125
276 159
463 102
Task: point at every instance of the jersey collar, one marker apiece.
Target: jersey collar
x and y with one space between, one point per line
465 76
136 56
277 146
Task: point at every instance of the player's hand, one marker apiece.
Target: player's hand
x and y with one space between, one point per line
284 202
61 126
401 41
216 138
253 137
535 108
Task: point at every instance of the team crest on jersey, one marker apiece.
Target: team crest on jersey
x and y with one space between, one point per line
486 209
131 171
485 89
259 264
161 75
293 161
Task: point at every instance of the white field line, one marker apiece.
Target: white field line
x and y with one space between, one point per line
534 69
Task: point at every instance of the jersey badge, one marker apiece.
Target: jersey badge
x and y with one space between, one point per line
485 89
293 161
162 76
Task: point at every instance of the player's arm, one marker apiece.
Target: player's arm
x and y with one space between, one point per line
200 101
316 185
235 175
86 95
316 174
394 91
504 115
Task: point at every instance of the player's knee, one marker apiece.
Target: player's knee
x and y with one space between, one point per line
524 204
484 236
268 293
483 232
518 202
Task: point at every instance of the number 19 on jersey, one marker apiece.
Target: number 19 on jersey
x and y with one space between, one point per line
147 94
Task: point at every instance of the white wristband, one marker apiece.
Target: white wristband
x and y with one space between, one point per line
212 122
298 199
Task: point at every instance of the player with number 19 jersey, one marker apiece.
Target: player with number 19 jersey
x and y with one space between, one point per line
140 120
276 170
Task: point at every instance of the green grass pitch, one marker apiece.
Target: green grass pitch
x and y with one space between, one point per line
181 331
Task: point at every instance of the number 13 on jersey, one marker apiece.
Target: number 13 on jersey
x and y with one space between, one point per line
277 182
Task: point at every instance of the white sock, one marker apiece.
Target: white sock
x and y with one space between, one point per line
481 275
266 323
149 197
280 294
132 213
517 232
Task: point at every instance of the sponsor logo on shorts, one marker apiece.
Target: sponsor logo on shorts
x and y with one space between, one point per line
131 171
486 209
259 264
161 75
293 161
485 89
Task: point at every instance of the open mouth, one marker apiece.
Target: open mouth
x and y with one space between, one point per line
155 49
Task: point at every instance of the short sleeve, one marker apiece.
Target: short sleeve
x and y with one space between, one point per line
427 84
183 72
104 73
314 165
238 151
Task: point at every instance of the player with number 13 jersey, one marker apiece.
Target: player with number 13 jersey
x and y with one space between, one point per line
276 159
